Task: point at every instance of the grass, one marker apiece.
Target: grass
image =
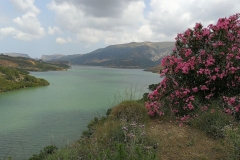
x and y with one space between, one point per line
128 133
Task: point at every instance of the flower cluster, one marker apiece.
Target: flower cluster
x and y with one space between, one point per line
204 65
134 132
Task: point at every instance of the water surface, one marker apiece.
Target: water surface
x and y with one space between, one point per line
57 114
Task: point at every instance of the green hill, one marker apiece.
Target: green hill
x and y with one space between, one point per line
14 72
12 79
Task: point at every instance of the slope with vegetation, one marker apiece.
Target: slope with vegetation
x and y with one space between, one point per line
14 72
29 64
12 79
128 133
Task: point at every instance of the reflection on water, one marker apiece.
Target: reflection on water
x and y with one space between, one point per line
57 114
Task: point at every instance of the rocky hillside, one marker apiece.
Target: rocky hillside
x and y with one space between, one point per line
51 57
130 55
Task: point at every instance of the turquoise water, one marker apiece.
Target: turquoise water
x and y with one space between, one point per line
57 114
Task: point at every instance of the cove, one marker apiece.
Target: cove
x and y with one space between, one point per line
33 118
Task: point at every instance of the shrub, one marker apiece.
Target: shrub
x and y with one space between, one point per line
92 126
204 66
122 152
233 136
48 150
130 111
212 122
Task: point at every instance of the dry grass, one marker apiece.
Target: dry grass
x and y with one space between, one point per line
181 143
173 141
130 111
167 140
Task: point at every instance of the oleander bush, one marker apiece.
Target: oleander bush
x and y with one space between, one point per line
203 67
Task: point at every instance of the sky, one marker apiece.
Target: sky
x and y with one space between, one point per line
46 27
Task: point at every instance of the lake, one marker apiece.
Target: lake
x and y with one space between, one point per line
33 118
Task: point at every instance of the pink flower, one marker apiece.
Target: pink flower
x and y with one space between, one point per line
237 57
227 110
231 100
209 96
200 71
203 87
216 69
206 32
214 77
191 98
237 108
188 53
195 89
185 70
155 93
198 26
202 52
207 71
190 106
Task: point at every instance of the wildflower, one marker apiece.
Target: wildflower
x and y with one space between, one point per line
231 100
147 147
143 133
125 128
141 125
131 135
133 124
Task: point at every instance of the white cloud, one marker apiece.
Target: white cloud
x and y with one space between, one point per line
116 21
63 41
27 27
92 22
53 30
169 17
25 5
145 32
91 28
7 31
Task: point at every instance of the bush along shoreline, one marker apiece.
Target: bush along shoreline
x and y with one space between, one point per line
13 79
193 113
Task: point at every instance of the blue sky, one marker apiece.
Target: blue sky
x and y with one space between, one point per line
44 27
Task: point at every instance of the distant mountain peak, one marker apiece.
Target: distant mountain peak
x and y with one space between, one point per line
129 55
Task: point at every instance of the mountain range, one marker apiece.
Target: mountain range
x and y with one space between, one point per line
130 55
17 55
